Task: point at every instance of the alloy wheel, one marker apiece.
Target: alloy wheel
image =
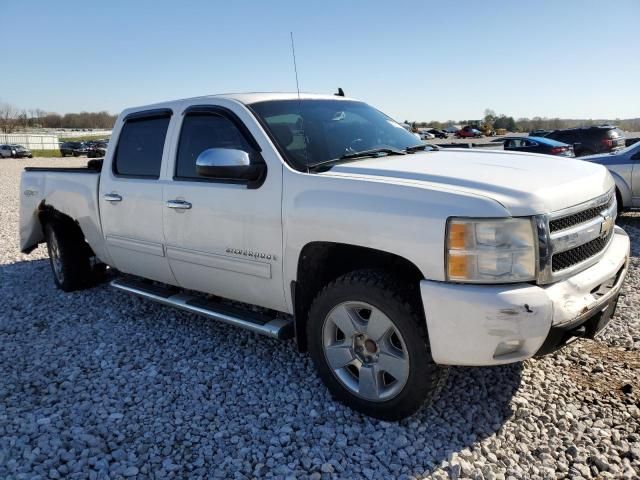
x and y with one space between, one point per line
56 260
365 351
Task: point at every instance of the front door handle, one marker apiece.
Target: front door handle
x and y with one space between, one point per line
112 197
178 204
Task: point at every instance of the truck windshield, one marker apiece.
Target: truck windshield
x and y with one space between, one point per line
311 131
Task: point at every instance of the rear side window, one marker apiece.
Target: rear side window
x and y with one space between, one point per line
140 146
201 131
566 137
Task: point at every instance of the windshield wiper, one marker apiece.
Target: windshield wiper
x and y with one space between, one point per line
375 152
421 146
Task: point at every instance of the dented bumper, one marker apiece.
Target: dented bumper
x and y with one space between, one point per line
496 324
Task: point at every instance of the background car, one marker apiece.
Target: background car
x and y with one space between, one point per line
21 152
468 132
97 149
425 135
14 151
591 140
7 151
624 166
437 133
73 148
538 145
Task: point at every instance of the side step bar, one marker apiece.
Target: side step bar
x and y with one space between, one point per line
280 328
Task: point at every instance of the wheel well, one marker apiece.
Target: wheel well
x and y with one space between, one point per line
48 214
321 262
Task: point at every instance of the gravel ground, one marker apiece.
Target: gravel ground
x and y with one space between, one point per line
99 384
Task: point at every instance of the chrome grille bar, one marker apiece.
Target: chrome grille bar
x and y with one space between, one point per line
592 230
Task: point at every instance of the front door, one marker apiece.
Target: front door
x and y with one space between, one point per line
223 236
131 198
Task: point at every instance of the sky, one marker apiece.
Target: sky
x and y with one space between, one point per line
419 60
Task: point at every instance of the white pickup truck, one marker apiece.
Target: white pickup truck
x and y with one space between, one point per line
386 259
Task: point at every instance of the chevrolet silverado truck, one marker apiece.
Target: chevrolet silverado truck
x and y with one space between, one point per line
320 218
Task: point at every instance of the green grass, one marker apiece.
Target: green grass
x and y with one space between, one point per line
84 138
46 153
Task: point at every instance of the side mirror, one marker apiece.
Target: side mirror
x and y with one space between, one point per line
230 164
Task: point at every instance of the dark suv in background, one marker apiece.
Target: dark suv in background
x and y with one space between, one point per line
96 149
73 148
590 140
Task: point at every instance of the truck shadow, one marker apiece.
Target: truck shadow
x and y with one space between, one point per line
115 369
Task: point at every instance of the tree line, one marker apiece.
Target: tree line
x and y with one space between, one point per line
13 119
496 122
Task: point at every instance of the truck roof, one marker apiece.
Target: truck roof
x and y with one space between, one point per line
247 98
255 97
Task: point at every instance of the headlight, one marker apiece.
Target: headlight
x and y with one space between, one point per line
490 250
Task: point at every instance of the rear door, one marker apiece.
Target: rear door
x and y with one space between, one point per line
531 146
226 237
131 197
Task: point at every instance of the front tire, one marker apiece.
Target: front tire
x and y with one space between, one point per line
68 256
368 341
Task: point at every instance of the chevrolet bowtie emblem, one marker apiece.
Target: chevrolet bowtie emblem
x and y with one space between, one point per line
607 224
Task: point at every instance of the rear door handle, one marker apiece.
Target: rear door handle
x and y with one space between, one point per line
178 204
112 197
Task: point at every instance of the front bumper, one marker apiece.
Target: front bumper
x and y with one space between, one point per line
496 324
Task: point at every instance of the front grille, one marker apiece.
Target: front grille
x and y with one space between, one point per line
574 219
572 257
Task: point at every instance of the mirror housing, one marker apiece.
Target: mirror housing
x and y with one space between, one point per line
230 164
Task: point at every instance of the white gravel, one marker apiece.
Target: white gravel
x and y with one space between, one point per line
98 384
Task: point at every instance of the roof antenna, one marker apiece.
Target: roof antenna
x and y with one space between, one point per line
340 93
295 69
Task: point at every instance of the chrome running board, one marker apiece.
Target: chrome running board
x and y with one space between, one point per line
280 328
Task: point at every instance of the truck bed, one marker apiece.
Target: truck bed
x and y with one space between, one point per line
71 191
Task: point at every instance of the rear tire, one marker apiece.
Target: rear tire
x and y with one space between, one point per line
388 371
68 256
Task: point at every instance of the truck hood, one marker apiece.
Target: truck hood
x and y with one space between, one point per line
525 184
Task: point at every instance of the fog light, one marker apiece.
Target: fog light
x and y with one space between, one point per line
507 347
